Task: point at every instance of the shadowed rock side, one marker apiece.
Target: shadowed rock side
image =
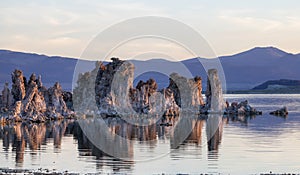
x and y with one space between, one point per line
188 92
31 100
283 112
113 83
214 94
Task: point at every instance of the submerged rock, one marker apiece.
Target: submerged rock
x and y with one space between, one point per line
280 112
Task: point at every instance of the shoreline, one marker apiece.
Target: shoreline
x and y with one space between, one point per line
41 171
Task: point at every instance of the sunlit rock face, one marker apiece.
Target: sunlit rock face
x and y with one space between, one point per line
214 94
31 100
187 92
146 99
115 94
140 97
112 86
33 105
84 97
56 102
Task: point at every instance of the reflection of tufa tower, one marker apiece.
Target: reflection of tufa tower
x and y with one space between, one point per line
214 130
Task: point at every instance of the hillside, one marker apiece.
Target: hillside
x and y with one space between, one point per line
278 84
243 71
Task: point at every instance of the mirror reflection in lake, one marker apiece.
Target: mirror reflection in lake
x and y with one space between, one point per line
187 144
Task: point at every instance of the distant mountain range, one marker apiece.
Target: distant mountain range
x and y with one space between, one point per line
242 71
278 84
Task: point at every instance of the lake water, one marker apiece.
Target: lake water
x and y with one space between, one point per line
217 144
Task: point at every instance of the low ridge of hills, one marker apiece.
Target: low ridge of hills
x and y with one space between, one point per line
242 71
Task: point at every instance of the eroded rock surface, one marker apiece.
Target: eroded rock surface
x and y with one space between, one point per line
84 100
115 93
242 108
187 92
6 98
31 100
18 86
112 86
214 94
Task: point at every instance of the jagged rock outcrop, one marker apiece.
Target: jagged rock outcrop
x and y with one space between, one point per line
84 93
18 86
68 98
114 92
17 112
112 86
146 99
31 100
171 108
187 92
215 102
242 108
214 94
56 100
6 98
33 105
280 112
140 96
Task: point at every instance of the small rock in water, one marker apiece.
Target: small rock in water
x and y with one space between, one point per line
280 112
242 108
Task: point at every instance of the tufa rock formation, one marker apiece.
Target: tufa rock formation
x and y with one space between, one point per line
6 98
84 93
242 108
112 86
32 101
18 87
187 92
33 104
114 92
214 94
215 102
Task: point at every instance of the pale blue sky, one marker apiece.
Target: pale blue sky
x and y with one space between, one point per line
65 28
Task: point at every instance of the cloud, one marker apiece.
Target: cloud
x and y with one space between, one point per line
249 19
70 23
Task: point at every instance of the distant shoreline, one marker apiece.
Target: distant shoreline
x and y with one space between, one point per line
287 90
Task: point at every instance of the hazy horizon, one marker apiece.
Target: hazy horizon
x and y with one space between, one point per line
164 58
66 28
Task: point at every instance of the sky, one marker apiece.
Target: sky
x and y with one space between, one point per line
65 28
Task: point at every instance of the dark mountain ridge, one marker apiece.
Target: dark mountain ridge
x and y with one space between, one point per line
242 71
282 83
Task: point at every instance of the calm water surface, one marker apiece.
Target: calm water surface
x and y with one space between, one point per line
238 145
